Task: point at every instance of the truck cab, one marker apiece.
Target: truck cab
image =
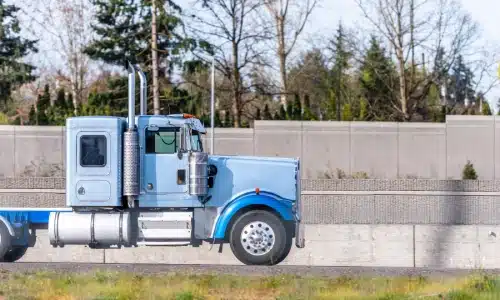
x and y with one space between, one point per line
146 180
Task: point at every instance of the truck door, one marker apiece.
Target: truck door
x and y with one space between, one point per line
164 172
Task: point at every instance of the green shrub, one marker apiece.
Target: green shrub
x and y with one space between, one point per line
341 174
469 172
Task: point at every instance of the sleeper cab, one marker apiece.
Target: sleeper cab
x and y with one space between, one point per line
94 161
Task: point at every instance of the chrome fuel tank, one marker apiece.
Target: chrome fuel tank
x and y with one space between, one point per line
70 228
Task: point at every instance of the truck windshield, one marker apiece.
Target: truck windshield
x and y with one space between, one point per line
196 143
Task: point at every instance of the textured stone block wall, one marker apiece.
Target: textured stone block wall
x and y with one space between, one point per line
401 209
408 185
33 183
42 199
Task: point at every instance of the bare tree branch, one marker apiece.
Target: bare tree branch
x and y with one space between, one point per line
68 24
287 33
235 38
428 26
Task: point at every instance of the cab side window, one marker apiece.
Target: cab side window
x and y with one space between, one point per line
93 151
164 141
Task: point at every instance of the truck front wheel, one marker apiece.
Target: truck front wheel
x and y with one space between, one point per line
259 237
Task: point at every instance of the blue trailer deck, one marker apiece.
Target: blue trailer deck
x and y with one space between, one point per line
29 215
19 221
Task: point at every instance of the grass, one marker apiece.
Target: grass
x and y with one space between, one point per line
118 286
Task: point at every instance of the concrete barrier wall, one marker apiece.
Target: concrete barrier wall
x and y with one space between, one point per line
383 150
432 246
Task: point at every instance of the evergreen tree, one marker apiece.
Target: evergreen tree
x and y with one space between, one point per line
32 116
433 97
227 119
308 115
338 77
124 33
363 109
217 120
461 83
347 112
377 78
60 102
289 111
310 77
257 115
439 66
330 112
57 113
297 109
282 113
70 105
267 114
43 104
485 109
12 49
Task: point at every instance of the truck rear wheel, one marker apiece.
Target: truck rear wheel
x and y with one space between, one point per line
259 238
5 240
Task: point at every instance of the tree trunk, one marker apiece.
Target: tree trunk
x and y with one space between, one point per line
282 57
403 89
237 109
156 92
236 87
399 42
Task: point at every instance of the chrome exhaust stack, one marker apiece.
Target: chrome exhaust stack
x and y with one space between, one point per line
144 91
131 97
131 147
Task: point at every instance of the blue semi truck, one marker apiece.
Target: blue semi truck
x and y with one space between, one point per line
146 180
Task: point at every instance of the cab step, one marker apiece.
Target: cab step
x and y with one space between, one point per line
165 228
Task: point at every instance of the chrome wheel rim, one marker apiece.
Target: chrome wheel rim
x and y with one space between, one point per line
257 238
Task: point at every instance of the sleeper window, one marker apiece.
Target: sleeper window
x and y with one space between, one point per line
93 151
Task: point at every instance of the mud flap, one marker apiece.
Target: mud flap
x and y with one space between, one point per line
300 241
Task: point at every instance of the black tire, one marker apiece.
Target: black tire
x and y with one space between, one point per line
287 249
267 241
5 240
14 254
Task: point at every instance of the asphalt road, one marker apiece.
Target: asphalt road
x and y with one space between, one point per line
240 270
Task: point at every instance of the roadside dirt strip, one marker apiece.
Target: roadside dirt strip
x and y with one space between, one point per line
302 271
